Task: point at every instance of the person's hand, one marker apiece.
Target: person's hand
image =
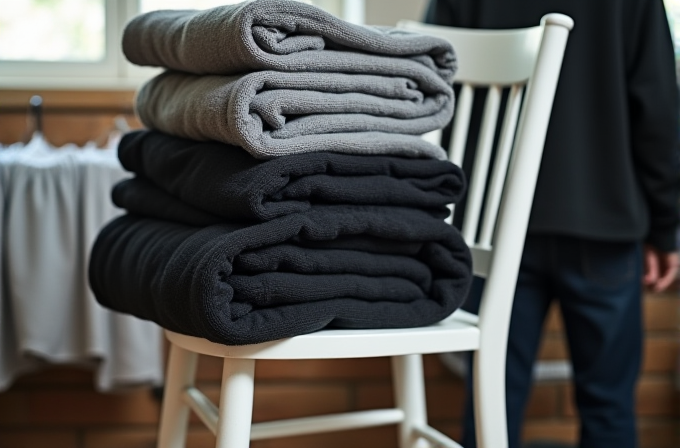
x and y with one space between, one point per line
661 268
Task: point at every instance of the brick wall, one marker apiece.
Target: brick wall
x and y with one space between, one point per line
58 407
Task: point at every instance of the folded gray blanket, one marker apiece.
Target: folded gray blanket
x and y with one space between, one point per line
272 114
351 267
280 35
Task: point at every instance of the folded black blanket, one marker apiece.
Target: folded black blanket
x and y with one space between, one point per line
343 267
199 182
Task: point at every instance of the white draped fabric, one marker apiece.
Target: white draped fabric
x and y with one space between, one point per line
53 201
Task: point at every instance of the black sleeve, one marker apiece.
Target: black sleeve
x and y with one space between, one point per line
439 12
655 125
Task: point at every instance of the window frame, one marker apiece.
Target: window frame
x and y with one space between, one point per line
114 72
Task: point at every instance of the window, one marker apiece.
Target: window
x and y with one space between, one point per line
56 38
76 43
673 13
150 5
71 30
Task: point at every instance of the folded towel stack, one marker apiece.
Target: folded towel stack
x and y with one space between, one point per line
288 190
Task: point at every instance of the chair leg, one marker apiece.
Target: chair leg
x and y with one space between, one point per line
175 413
489 400
236 403
409 393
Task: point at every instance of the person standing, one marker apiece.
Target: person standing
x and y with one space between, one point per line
605 212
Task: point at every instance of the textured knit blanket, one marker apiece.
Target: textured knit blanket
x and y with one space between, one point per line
361 267
272 114
202 183
281 35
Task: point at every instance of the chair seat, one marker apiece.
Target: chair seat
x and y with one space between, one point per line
458 332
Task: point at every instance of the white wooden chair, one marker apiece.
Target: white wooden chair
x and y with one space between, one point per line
493 59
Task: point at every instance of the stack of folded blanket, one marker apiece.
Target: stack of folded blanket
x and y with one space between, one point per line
284 188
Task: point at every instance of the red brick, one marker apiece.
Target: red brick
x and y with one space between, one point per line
121 437
445 399
38 439
374 395
657 397
661 312
75 407
288 401
554 430
660 354
209 369
56 377
544 401
378 437
553 321
14 409
374 368
198 437
659 433
553 347
434 368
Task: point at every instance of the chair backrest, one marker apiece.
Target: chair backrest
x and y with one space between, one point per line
500 192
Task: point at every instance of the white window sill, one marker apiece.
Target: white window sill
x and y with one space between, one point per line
70 83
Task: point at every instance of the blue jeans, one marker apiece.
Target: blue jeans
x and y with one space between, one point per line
598 287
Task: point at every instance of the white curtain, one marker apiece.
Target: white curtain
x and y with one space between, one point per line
53 201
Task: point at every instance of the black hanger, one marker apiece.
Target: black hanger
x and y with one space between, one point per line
36 112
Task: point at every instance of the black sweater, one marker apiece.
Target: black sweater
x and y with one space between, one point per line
610 168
